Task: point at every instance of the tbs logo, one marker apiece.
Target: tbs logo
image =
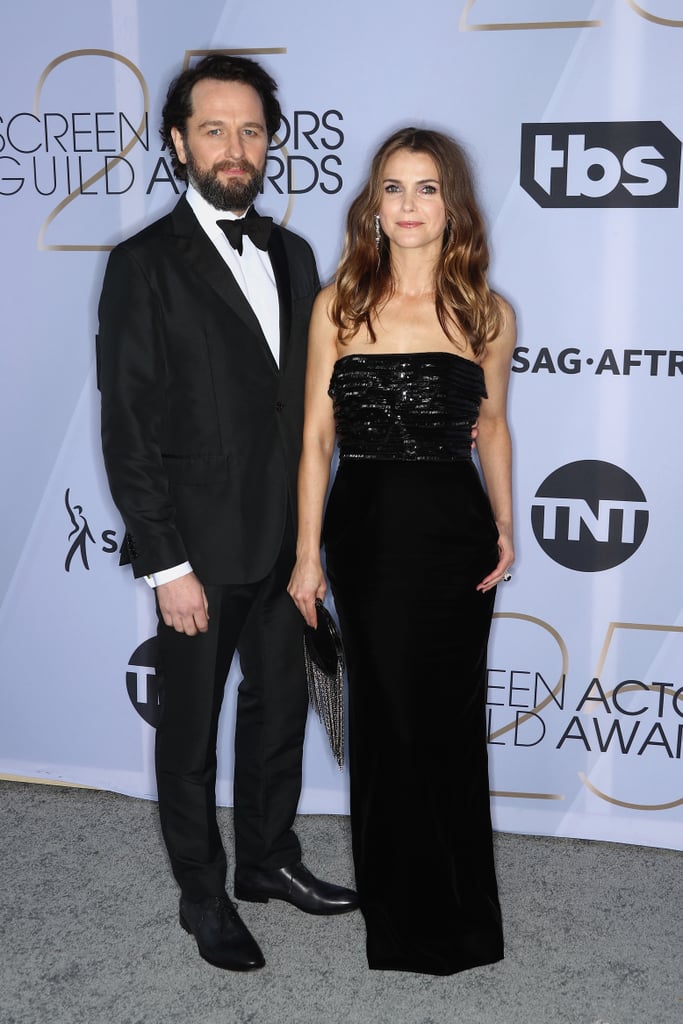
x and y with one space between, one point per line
620 163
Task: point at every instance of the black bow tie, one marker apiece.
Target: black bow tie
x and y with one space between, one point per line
256 227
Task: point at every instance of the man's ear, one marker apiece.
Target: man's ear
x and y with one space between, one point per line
179 144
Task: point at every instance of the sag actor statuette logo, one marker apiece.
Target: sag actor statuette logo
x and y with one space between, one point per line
81 540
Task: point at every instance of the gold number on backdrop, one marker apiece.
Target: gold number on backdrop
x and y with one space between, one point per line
501 9
505 26
649 16
612 629
63 58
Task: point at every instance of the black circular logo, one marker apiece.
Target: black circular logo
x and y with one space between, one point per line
142 681
590 516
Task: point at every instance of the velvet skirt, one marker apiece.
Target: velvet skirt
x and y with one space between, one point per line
406 544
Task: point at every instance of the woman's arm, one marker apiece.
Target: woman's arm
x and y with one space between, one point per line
308 581
493 442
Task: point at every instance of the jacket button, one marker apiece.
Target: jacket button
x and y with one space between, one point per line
279 406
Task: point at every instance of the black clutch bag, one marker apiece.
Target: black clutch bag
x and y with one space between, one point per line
324 660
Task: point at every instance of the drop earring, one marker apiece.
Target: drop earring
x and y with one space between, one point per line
378 233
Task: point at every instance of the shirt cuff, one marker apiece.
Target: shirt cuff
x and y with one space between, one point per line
155 579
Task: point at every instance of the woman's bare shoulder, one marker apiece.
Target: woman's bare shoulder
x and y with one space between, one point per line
507 312
325 298
499 349
322 323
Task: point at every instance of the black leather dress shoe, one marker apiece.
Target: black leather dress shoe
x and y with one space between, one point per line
222 937
296 885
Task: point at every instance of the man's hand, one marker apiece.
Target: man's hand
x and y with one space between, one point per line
183 605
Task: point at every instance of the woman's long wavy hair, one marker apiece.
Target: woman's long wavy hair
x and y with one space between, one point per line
364 281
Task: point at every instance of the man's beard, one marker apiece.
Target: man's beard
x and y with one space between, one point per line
236 195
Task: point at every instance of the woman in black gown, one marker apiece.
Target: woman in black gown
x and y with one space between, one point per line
408 349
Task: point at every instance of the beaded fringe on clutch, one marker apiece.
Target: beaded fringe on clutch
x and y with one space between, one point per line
324 660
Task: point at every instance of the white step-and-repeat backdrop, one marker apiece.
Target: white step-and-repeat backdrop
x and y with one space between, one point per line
574 126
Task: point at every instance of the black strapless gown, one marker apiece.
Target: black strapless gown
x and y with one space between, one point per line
408 534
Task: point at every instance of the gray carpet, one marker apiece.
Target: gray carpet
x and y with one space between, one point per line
90 935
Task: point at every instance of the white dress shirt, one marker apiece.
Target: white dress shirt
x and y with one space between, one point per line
252 270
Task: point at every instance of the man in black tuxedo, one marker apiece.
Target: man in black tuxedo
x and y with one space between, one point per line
201 359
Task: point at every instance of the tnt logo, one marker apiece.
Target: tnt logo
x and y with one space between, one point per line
142 682
620 163
589 516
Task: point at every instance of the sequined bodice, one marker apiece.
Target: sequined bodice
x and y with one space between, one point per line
414 406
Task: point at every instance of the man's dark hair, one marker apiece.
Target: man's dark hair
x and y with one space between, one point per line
178 106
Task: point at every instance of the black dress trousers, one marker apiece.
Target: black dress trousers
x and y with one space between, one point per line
260 622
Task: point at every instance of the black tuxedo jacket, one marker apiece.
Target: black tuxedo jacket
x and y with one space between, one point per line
201 431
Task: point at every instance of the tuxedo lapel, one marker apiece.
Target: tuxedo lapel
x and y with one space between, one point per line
201 254
278 259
